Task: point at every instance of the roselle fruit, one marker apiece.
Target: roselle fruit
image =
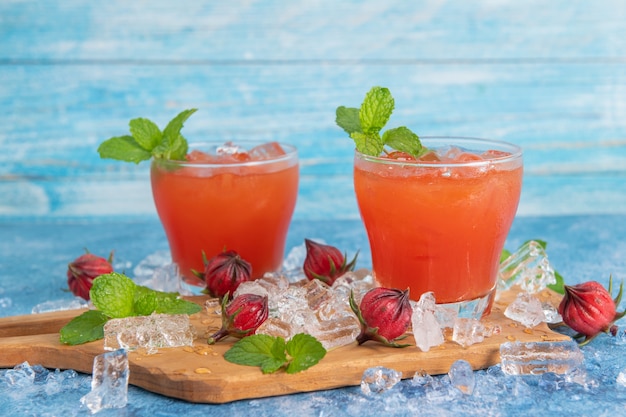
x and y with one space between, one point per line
588 309
83 270
224 272
242 316
384 314
325 262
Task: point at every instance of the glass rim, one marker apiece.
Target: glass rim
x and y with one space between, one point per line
515 152
291 152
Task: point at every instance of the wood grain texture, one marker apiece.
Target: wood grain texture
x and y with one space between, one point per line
200 374
550 77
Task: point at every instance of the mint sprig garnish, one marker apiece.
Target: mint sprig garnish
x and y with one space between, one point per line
364 125
115 295
272 353
147 141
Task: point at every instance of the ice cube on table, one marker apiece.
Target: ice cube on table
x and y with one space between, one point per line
379 379
109 384
148 332
551 313
270 284
462 377
422 378
317 293
467 332
23 375
533 358
335 333
26 382
526 309
528 267
278 328
426 329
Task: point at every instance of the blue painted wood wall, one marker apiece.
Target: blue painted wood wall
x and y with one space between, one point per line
547 75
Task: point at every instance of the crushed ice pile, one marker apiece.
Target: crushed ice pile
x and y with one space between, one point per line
148 333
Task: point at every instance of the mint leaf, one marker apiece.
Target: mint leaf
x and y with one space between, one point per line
144 301
402 139
348 119
123 148
146 133
173 143
147 141
261 350
147 301
87 327
169 303
270 353
368 145
305 351
114 294
559 286
376 110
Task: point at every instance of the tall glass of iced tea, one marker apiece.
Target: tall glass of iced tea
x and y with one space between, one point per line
439 223
227 197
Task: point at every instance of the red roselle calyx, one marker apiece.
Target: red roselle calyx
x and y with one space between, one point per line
384 314
242 316
84 269
224 272
325 262
588 309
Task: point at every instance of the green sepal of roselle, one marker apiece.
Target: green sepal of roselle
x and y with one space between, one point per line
147 141
371 333
364 125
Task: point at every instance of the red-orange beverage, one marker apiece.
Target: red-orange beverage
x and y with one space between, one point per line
240 200
438 225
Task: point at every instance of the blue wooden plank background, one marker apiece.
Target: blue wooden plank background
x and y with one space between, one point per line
549 76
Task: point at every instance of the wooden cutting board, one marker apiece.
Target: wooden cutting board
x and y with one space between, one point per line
200 374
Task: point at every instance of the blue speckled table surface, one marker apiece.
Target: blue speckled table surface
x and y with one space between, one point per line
549 76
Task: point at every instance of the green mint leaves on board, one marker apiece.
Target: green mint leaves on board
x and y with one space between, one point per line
364 125
87 327
272 353
115 295
147 141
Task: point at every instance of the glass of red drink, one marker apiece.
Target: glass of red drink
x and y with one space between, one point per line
227 197
439 223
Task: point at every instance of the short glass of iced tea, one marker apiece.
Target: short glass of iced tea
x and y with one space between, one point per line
439 222
227 196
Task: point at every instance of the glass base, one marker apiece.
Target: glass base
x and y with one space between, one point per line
472 309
